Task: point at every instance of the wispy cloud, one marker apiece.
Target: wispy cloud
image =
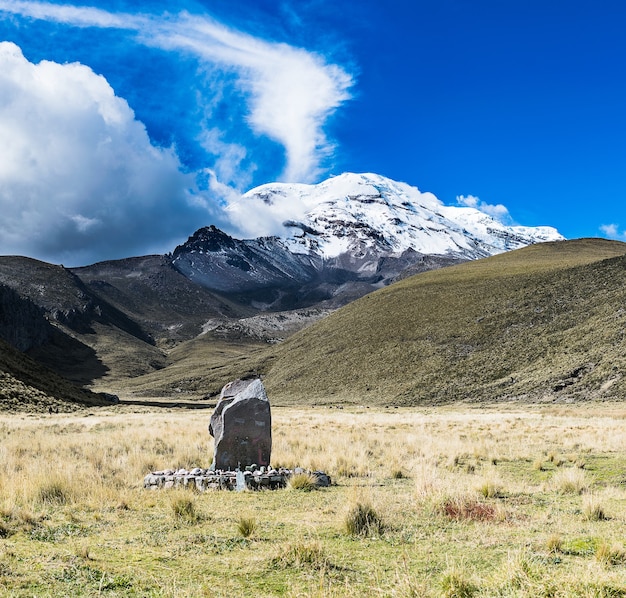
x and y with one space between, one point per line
290 92
497 211
80 178
612 231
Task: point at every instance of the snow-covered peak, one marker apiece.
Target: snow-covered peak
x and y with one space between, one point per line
369 213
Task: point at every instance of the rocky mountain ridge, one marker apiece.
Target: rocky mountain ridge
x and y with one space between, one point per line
355 233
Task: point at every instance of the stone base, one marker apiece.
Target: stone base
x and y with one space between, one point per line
207 479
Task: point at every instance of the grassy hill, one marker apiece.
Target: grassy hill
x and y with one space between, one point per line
542 323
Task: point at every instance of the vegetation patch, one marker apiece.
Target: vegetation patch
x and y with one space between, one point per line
363 520
302 481
246 526
301 554
430 534
184 509
469 509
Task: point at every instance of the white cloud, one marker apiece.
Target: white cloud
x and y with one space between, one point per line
497 211
269 217
612 231
291 92
79 177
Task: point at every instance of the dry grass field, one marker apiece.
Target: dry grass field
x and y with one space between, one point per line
454 502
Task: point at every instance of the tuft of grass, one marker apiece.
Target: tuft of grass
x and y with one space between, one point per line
184 509
84 552
593 509
55 491
489 487
520 573
570 481
539 465
363 520
300 554
554 543
610 554
397 474
246 526
302 481
455 584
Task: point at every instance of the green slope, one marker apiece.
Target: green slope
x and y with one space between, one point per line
541 323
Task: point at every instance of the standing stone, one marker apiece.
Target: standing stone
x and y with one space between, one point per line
242 426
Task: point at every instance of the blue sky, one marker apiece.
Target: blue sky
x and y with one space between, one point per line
126 126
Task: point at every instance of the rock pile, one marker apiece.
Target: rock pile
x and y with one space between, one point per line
242 428
209 479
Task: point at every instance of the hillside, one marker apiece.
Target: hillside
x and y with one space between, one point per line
335 242
541 323
25 385
545 322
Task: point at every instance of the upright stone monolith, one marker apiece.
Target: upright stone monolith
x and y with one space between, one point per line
242 426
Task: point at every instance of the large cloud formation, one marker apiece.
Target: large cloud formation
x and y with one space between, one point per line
290 92
79 177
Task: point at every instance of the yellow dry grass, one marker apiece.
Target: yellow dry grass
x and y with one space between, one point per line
470 515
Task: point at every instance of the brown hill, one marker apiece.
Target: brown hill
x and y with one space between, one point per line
541 323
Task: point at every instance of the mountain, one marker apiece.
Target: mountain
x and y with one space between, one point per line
366 215
111 320
541 323
216 300
355 233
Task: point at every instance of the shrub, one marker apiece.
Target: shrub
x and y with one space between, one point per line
246 526
570 481
302 481
184 509
363 520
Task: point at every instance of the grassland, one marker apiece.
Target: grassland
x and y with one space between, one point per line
440 501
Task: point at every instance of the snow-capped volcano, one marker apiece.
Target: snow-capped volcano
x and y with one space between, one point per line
371 212
340 239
